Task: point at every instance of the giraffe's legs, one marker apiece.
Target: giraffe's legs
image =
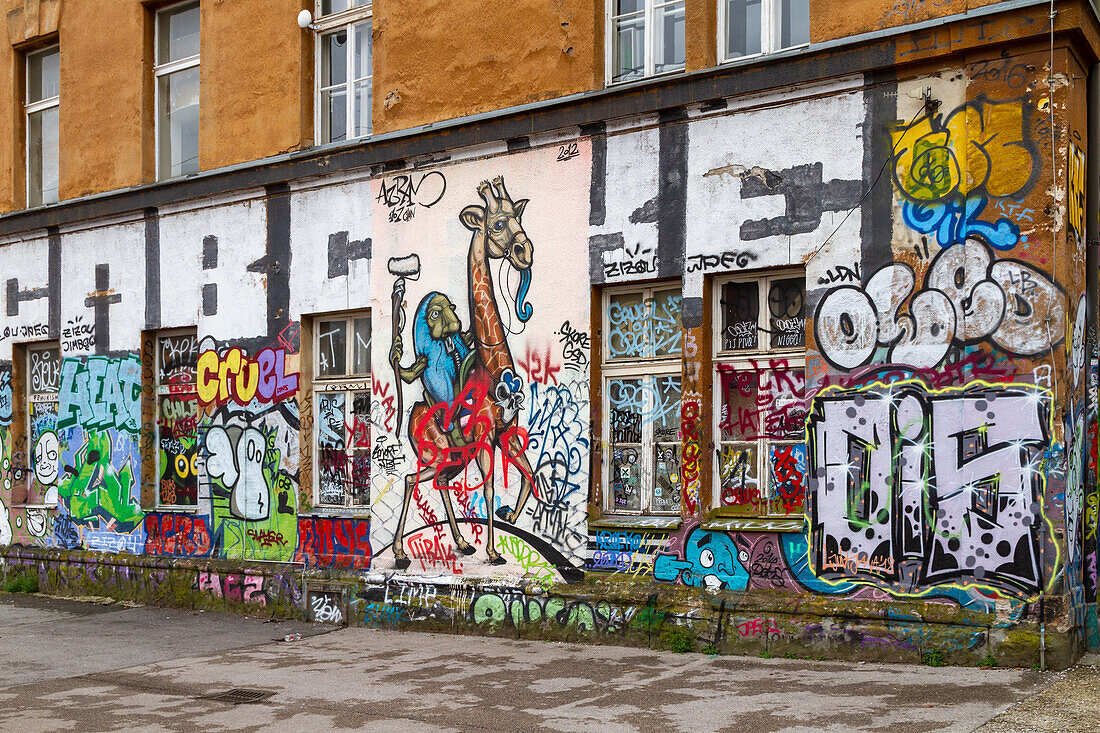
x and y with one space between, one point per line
460 542
485 463
400 558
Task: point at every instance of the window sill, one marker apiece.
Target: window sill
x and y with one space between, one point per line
609 83
175 509
765 55
337 511
624 522
755 524
34 506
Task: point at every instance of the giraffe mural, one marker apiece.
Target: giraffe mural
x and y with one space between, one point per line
472 394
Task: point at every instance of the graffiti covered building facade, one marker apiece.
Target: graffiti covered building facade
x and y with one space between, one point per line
809 364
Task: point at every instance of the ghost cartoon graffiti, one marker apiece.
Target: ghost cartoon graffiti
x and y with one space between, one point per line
711 560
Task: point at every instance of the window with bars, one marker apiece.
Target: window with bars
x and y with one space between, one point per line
177 411
753 27
42 109
644 38
177 90
341 410
345 70
43 379
759 389
642 347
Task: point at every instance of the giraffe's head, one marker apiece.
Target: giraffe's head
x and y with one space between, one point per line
499 220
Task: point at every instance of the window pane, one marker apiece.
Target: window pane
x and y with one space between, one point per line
334 116
337 6
362 61
623 7
45 447
666 452
627 335
740 316
666 486
787 477
334 59
332 459
742 404
628 49
668 335
332 348
783 396
794 23
179 123
177 423
742 27
737 472
43 76
787 313
362 108
179 356
360 442
360 356
45 370
42 157
626 402
178 33
669 38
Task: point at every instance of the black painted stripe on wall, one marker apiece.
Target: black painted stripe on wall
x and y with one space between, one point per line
597 191
875 216
152 268
278 256
53 266
672 193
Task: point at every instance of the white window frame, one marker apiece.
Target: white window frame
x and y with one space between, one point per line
770 11
31 108
649 13
157 396
40 397
348 384
635 368
750 360
326 25
167 69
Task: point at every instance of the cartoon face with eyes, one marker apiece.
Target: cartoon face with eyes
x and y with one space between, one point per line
711 561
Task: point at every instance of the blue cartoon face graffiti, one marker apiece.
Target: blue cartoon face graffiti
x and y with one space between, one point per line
711 560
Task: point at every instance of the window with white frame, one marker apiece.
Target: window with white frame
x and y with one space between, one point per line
752 27
43 378
177 406
177 90
759 390
341 409
644 38
344 70
642 346
42 105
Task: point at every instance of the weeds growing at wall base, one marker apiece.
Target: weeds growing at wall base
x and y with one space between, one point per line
24 583
678 639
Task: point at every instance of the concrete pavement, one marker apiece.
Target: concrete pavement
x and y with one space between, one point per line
66 666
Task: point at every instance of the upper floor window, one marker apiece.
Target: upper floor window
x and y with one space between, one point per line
642 347
177 406
344 70
177 90
43 102
341 394
751 27
759 385
644 38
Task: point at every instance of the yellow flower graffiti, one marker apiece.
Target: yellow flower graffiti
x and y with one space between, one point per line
981 148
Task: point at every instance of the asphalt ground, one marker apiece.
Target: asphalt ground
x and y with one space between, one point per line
68 665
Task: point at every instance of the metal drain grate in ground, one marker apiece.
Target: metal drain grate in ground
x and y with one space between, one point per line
240 696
